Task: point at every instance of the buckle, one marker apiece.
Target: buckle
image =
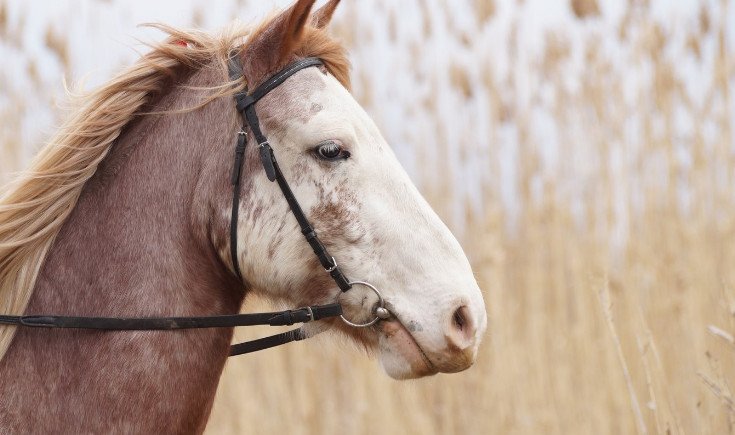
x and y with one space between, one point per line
334 266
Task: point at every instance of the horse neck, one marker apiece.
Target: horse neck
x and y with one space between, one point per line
137 244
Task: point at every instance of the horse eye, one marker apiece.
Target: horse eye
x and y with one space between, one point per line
330 150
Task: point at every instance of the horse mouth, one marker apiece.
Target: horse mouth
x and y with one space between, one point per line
399 346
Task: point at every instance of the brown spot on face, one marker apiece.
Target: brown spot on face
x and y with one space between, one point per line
332 219
338 217
317 286
299 171
273 246
291 100
257 212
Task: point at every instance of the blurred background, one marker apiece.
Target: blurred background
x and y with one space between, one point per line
581 150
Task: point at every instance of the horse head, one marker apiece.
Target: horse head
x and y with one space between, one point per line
361 202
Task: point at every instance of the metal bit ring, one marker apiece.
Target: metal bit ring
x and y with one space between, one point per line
381 313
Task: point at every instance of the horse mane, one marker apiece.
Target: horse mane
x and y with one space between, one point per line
34 207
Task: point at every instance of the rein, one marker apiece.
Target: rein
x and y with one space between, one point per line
277 318
245 104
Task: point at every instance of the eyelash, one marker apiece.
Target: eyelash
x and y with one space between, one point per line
324 150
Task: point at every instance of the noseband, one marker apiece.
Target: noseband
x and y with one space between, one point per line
245 103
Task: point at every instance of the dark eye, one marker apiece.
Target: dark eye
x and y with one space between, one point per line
331 150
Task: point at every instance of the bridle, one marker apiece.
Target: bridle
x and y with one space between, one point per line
245 103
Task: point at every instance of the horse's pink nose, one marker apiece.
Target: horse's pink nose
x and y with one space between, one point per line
461 331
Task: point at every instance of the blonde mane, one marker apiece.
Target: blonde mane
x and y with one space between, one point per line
35 206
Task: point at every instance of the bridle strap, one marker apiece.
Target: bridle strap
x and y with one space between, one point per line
327 261
272 82
267 342
246 106
242 141
235 71
275 318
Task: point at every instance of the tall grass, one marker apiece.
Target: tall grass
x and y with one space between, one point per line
609 276
606 253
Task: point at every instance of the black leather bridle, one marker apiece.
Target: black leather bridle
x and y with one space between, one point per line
246 106
245 103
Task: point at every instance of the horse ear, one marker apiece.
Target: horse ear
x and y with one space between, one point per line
323 15
275 44
295 17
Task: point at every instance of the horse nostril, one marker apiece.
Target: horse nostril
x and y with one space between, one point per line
461 333
459 318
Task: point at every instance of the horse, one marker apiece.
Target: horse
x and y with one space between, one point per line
127 212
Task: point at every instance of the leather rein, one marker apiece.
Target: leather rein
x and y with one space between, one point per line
245 103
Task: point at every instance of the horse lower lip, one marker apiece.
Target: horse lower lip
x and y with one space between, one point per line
394 326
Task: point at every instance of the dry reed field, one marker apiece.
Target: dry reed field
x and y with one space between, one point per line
590 176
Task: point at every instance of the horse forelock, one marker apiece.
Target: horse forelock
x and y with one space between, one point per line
35 206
